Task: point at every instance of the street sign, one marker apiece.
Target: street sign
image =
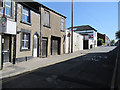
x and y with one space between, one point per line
3 20
91 36
68 35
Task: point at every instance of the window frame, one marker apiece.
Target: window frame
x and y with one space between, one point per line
10 7
23 10
62 22
47 21
24 39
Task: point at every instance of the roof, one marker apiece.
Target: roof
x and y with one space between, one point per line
36 5
83 28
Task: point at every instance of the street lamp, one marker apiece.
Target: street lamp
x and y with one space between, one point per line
72 29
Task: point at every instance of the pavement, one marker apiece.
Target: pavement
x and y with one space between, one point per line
10 69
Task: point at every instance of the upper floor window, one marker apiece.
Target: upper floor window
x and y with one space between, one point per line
8 8
25 15
47 18
62 24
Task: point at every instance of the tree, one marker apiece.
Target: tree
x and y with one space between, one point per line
100 42
117 34
113 42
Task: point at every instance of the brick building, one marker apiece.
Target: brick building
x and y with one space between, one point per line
105 38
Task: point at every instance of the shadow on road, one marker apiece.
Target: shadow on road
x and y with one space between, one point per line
93 70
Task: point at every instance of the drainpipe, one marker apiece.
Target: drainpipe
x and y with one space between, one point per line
40 32
0 51
14 40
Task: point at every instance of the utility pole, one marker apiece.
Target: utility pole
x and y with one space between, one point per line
72 30
1 7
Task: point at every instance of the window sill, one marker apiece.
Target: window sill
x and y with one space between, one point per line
62 30
26 23
8 16
46 26
24 50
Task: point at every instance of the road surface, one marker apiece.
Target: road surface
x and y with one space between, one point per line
93 70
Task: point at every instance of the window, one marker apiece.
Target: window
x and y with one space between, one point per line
8 8
25 41
47 18
1 3
62 24
25 15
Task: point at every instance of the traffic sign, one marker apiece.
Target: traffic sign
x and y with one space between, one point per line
68 35
3 20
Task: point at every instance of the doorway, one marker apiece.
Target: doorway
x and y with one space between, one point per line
85 44
55 45
35 46
44 47
6 48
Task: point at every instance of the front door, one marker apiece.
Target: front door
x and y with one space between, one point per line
6 49
35 46
55 46
44 47
85 44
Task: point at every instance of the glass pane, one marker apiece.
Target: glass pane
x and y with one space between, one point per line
26 44
27 36
25 12
23 18
2 11
23 36
61 26
7 11
8 2
48 19
26 18
22 44
45 18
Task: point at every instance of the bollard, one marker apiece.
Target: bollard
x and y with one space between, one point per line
26 58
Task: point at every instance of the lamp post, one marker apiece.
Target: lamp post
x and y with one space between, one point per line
72 29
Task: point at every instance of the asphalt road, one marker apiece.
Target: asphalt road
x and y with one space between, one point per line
93 70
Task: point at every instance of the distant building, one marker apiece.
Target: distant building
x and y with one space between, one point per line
77 42
89 35
105 38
